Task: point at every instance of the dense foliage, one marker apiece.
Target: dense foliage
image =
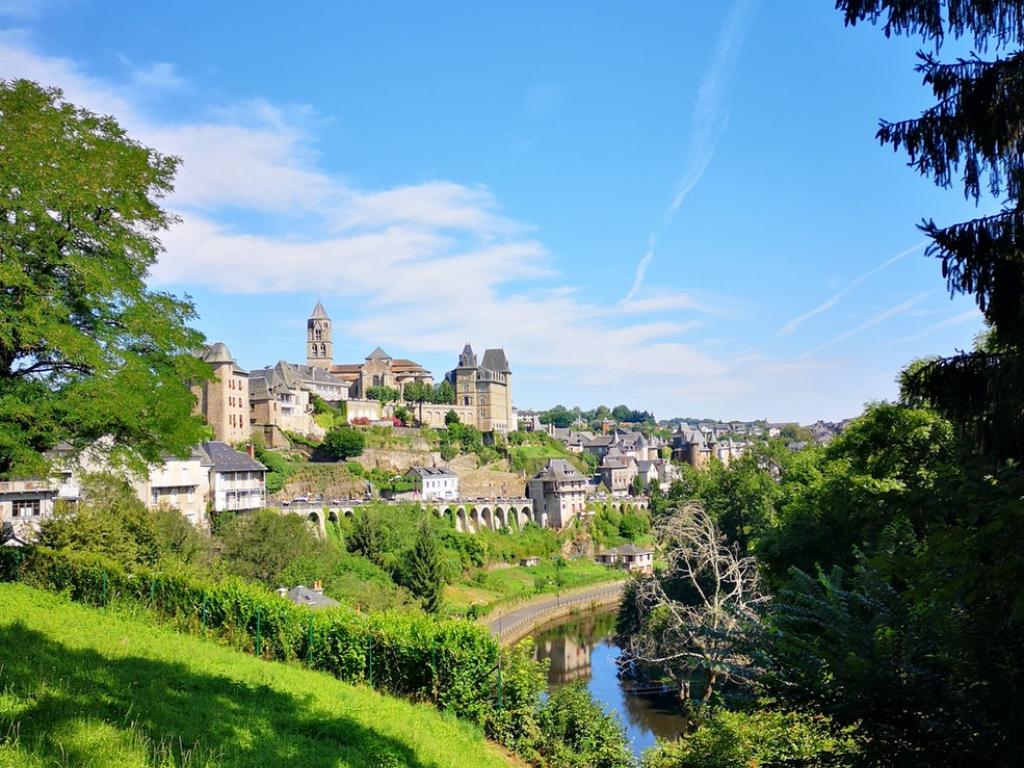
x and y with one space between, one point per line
343 443
86 350
457 665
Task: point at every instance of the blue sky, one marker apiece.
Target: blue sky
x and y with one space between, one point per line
679 206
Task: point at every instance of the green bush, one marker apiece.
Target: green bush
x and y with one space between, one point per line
763 738
452 663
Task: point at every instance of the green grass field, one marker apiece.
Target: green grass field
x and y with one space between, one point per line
83 687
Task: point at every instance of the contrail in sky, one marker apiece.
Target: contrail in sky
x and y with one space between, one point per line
708 121
835 298
876 319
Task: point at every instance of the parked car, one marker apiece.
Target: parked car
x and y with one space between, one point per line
300 500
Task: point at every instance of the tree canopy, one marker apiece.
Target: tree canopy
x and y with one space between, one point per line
86 350
971 137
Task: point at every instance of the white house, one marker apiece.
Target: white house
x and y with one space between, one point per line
181 484
237 480
434 483
629 557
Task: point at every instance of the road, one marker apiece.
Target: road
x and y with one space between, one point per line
510 625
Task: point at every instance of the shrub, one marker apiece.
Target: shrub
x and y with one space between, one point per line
343 443
760 738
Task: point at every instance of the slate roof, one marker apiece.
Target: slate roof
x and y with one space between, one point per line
628 549
495 360
301 595
319 313
559 470
224 458
217 352
431 472
378 354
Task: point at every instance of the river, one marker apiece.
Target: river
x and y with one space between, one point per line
583 648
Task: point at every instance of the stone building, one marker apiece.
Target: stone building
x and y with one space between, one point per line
486 387
558 493
319 348
379 369
224 400
617 471
281 400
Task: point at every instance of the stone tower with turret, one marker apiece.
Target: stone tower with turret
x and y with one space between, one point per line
319 349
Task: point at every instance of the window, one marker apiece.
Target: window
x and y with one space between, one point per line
25 508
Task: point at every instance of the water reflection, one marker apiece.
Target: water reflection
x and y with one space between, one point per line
584 649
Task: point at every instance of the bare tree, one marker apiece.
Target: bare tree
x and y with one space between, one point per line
697 619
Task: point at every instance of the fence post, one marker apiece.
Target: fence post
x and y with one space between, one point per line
152 590
202 620
369 675
259 629
309 645
104 588
499 680
435 688
18 554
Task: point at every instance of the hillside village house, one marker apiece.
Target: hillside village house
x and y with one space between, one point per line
280 401
224 400
558 493
617 471
181 484
628 557
434 483
237 480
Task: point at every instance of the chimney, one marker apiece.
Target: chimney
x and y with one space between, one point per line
251 450
318 586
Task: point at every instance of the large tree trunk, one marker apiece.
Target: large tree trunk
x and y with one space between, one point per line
709 686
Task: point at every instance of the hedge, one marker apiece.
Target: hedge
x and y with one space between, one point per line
453 663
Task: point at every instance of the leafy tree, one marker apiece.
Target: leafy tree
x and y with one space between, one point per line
444 393
621 413
86 351
177 538
109 520
972 131
636 487
451 418
261 545
367 537
559 416
383 395
343 443
424 572
575 732
764 737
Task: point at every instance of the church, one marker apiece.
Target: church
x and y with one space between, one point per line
483 389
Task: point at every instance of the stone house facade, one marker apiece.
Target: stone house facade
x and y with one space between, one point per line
224 400
558 493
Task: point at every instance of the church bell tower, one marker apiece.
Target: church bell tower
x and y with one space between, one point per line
319 350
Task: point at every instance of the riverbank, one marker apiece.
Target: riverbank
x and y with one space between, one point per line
510 624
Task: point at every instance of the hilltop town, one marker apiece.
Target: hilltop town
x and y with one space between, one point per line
287 409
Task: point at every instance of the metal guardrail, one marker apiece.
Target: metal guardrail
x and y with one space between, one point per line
503 628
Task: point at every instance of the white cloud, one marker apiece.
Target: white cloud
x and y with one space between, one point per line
422 267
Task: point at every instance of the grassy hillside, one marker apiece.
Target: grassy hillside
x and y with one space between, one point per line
81 687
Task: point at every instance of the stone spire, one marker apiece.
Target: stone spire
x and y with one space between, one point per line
319 349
